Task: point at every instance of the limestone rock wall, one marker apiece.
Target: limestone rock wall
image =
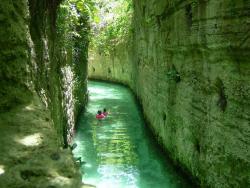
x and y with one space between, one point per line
42 90
191 72
59 74
115 67
13 55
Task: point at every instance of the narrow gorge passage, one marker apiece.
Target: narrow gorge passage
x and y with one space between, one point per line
186 61
118 151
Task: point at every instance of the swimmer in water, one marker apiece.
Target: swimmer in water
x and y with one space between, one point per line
105 113
99 115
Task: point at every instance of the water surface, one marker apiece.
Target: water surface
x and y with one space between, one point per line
118 151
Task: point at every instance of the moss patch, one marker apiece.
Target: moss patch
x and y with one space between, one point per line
28 141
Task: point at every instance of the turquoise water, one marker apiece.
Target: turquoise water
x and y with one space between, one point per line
118 151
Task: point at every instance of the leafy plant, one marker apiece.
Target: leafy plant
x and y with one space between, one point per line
111 24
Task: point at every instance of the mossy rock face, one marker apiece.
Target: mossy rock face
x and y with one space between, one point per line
59 74
189 66
33 64
13 55
30 153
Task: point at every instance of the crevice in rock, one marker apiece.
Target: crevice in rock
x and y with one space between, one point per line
222 101
109 70
189 15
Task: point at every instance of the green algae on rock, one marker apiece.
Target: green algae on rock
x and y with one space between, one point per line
41 93
28 140
201 112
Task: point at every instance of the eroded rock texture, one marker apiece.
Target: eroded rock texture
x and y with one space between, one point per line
41 93
13 55
58 68
189 66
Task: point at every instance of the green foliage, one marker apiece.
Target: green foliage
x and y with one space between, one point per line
110 21
111 24
73 27
72 21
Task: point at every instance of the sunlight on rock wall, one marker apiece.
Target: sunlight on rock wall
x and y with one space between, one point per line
59 77
38 92
189 66
68 84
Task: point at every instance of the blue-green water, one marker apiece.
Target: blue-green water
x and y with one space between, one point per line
118 151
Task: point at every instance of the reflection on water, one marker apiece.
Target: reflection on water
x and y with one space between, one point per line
118 151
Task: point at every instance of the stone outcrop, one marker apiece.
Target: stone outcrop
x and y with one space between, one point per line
189 66
42 90
59 74
30 153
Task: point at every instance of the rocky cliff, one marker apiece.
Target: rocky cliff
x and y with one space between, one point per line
58 66
42 91
189 66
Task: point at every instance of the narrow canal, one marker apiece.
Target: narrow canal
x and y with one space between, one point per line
118 152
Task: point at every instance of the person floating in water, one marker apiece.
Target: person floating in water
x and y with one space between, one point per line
105 113
100 115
